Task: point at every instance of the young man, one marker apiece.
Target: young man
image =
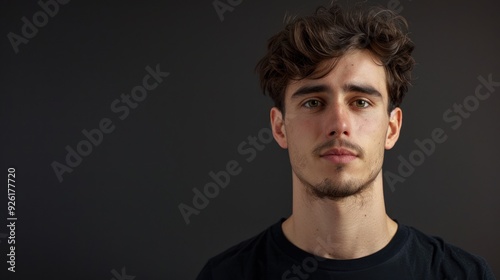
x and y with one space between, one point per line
337 79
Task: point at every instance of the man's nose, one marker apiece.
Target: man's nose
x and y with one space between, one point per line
338 120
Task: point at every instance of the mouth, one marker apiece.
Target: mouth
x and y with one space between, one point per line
339 155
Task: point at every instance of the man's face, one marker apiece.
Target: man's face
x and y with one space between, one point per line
337 127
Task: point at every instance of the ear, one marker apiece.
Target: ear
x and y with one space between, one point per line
278 127
395 122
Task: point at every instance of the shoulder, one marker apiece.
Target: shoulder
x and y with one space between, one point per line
448 259
242 251
240 258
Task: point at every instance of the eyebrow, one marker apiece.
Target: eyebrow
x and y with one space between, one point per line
305 90
361 88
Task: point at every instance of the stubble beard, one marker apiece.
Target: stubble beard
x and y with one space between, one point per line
339 189
338 185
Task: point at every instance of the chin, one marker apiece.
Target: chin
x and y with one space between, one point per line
335 188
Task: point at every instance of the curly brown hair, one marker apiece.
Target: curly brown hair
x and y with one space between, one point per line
296 52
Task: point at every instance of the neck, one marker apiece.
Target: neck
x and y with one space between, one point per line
349 228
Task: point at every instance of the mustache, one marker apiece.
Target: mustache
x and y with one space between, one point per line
338 143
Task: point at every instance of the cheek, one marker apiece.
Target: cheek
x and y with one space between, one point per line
301 138
300 130
373 130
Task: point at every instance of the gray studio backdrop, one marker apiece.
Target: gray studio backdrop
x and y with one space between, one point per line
116 114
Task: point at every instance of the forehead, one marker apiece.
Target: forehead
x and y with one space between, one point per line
356 67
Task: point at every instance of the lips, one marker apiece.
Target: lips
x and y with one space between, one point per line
338 152
339 155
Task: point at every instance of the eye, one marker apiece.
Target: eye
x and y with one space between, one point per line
361 103
312 103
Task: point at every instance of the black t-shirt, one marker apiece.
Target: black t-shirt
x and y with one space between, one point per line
410 254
